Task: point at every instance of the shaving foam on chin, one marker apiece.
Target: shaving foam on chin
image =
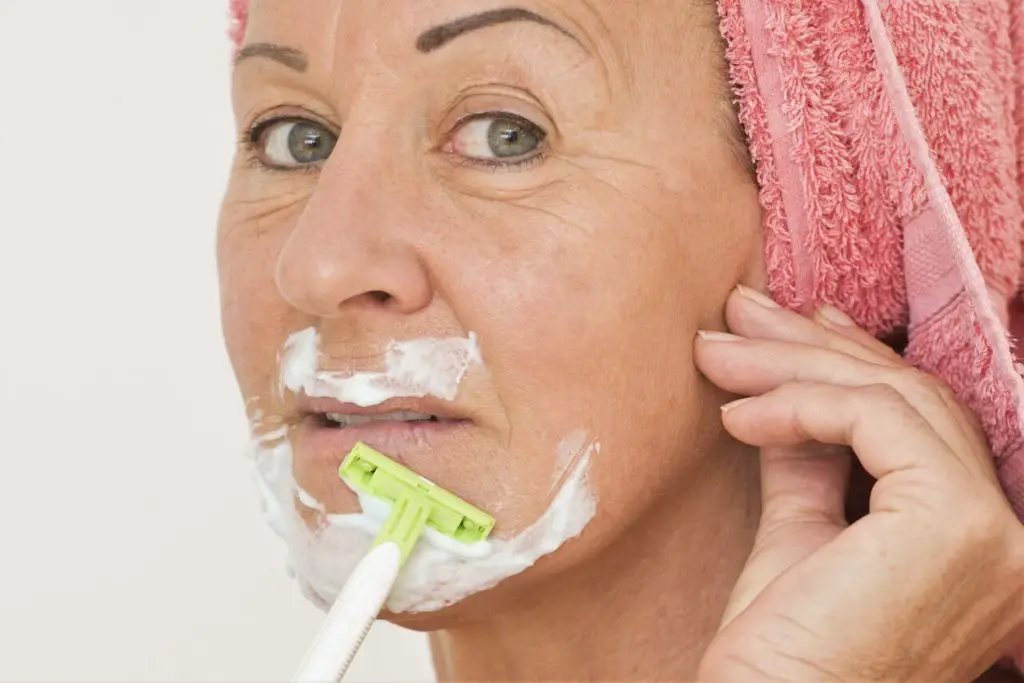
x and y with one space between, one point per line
412 369
440 571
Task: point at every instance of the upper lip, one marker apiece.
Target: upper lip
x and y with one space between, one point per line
443 410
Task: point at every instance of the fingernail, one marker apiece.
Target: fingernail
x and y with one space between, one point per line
756 296
834 315
714 336
733 404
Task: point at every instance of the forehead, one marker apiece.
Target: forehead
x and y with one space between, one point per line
323 27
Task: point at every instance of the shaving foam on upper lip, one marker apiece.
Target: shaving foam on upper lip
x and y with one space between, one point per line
412 369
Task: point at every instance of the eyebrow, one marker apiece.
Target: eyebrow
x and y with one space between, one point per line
438 36
289 56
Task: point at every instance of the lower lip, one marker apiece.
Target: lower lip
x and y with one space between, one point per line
320 442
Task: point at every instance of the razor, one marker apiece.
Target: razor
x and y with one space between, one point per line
416 505
416 502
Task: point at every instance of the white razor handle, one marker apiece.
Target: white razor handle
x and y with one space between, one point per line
351 616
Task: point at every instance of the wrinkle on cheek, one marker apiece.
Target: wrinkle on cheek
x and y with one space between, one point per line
264 204
620 160
253 316
455 188
500 194
608 182
254 217
562 219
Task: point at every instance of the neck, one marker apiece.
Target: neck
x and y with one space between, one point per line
646 608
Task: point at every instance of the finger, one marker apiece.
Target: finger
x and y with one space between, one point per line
838 322
755 315
805 482
802 490
886 433
751 314
751 367
754 366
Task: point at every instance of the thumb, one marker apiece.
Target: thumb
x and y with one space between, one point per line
803 493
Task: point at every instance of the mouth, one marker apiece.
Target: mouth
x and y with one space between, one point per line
349 420
405 430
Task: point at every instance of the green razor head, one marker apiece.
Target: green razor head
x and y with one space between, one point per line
416 502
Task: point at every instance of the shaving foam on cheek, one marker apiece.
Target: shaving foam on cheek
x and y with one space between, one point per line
440 575
412 369
440 571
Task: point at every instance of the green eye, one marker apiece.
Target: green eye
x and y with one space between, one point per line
498 137
291 143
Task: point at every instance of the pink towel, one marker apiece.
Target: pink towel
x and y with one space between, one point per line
889 143
239 20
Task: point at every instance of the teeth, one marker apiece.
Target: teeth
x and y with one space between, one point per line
396 416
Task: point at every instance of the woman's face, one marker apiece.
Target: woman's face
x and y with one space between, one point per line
561 178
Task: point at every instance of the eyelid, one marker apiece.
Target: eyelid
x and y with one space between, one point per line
495 100
261 123
501 114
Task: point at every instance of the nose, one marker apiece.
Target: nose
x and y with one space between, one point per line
353 246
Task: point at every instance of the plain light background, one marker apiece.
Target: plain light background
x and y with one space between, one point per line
132 544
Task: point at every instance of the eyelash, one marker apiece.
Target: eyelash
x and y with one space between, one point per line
494 166
251 135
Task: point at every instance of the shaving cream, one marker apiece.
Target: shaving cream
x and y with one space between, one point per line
412 369
440 571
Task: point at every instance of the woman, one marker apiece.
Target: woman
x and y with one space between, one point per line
549 207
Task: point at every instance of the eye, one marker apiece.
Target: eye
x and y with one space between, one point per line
289 143
498 138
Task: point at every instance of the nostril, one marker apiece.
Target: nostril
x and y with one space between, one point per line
372 299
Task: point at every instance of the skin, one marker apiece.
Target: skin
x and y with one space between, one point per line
595 263
927 585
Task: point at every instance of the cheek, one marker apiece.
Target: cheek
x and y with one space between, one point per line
255 319
588 325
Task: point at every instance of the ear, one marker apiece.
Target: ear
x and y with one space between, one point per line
754 273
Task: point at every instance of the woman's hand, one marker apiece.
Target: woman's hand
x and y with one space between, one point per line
929 585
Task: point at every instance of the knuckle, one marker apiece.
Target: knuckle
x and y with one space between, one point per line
883 394
926 390
1016 555
943 394
913 381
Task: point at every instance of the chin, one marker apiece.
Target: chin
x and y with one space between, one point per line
482 606
428 622
551 577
